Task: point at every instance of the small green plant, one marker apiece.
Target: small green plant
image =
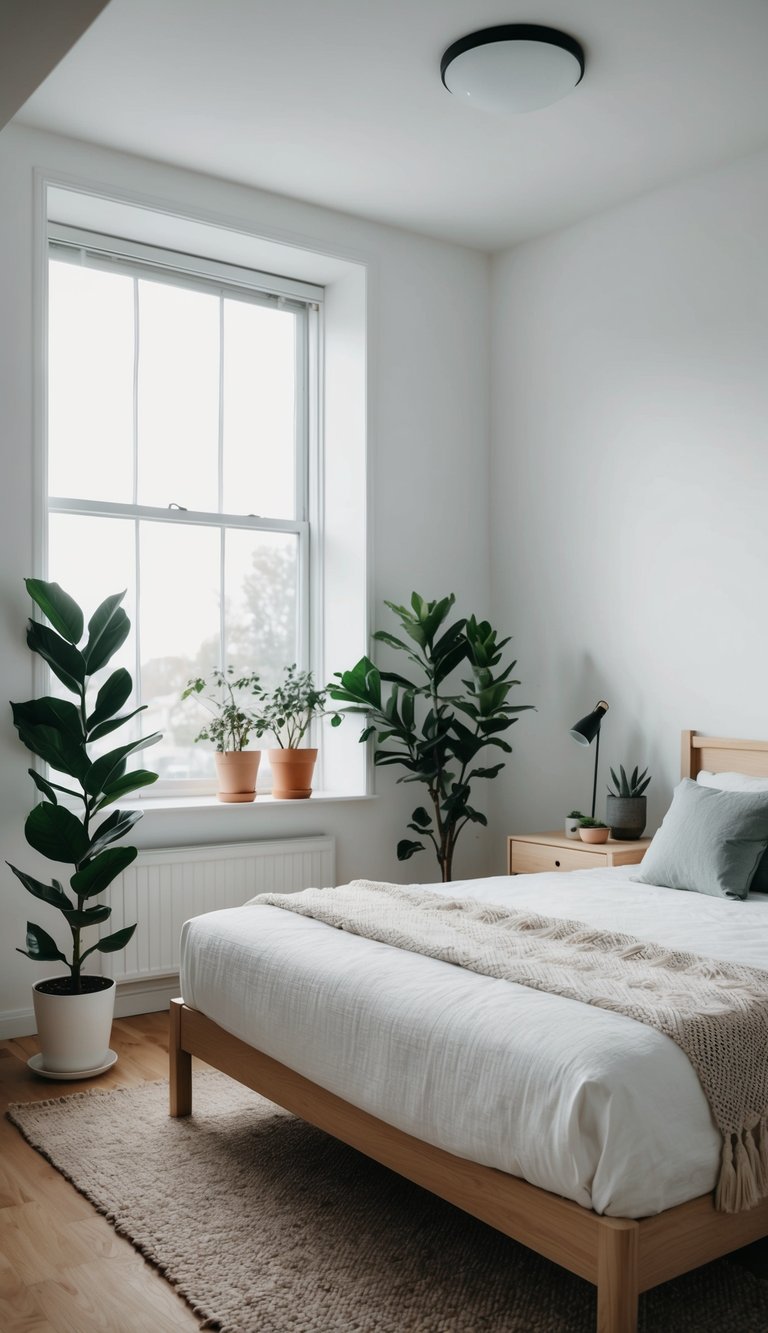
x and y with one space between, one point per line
575 814
629 787
222 693
587 821
61 734
288 710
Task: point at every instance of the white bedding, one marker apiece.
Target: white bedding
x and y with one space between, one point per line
580 1101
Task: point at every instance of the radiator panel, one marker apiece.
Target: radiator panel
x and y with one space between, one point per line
162 889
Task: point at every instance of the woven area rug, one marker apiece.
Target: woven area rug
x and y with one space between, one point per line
266 1225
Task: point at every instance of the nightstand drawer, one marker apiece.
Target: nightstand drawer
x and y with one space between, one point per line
529 858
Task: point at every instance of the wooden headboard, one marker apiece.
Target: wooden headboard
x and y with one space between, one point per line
720 754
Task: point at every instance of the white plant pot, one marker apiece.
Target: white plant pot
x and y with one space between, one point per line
74 1030
572 827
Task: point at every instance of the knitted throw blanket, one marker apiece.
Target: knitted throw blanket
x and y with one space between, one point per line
717 1013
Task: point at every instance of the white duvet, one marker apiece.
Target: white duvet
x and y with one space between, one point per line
577 1100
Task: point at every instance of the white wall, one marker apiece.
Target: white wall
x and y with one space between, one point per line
629 486
428 478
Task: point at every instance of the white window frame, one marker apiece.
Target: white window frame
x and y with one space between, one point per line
80 246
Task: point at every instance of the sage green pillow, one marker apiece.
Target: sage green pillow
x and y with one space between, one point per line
710 842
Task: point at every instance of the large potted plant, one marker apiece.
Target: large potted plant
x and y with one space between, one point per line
625 808
74 1012
226 696
430 727
287 712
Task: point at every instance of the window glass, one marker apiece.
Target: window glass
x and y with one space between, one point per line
261 599
167 392
90 383
178 397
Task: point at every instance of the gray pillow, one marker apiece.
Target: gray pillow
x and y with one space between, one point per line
710 842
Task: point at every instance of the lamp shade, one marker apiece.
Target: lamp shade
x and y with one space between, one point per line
513 67
585 730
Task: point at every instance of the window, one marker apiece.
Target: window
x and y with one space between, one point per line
182 430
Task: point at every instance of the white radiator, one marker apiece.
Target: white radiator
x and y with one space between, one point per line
162 889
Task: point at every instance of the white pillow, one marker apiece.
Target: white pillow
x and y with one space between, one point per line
731 781
740 782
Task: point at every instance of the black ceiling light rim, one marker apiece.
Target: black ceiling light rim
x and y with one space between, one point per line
513 32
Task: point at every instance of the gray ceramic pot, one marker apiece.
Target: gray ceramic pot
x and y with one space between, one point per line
625 816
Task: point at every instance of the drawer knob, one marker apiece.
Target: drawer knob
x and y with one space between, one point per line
557 863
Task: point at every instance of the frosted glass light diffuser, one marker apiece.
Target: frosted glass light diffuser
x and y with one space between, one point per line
512 68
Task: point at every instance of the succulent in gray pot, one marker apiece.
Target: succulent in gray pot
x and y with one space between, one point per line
74 1011
625 808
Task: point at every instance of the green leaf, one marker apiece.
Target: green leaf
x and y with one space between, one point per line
57 607
123 786
421 817
57 749
46 788
52 894
56 833
108 628
41 947
104 728
115 691
109 767
406 849
66 662
381 636
97 874
118 940
88 916
115 826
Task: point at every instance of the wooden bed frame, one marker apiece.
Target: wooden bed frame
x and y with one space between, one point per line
622 1257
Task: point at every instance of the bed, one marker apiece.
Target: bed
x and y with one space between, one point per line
624 1211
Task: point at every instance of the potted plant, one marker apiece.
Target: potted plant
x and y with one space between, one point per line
625 808
432 730
74 1012
593 830
287 712
572 824
229 730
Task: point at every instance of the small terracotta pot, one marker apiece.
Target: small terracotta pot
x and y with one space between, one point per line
292 772
594 834
236 774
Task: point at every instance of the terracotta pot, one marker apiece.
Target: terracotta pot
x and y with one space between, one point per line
74 1030
594 834
236 774
292 773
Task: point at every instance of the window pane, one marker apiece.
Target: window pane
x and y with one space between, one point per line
178 410
261 573
93 558
179 623
259 410
90 384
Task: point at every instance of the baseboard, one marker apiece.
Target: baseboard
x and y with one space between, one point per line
133 997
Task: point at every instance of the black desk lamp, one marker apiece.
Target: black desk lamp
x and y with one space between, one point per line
588 730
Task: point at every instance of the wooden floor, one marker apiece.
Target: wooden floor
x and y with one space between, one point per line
62 1267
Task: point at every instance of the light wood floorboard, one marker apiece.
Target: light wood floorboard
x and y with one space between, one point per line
63 1269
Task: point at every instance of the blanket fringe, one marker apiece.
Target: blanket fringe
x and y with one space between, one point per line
743 1181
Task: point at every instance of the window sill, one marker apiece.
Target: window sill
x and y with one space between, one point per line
158 804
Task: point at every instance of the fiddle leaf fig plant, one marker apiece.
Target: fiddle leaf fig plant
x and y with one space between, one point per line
434 731
61 734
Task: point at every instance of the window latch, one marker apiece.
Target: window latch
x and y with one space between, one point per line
183 508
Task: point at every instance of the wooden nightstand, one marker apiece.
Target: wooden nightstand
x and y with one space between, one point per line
530 853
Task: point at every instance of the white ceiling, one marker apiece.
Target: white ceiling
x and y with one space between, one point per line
340 102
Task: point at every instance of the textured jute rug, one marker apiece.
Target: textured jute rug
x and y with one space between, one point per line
266 1225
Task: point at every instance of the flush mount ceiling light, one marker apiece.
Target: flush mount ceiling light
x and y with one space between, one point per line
514 67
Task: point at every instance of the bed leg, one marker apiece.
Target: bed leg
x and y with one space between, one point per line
180 1066
617 1292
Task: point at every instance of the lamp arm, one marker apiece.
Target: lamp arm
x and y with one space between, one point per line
594 782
